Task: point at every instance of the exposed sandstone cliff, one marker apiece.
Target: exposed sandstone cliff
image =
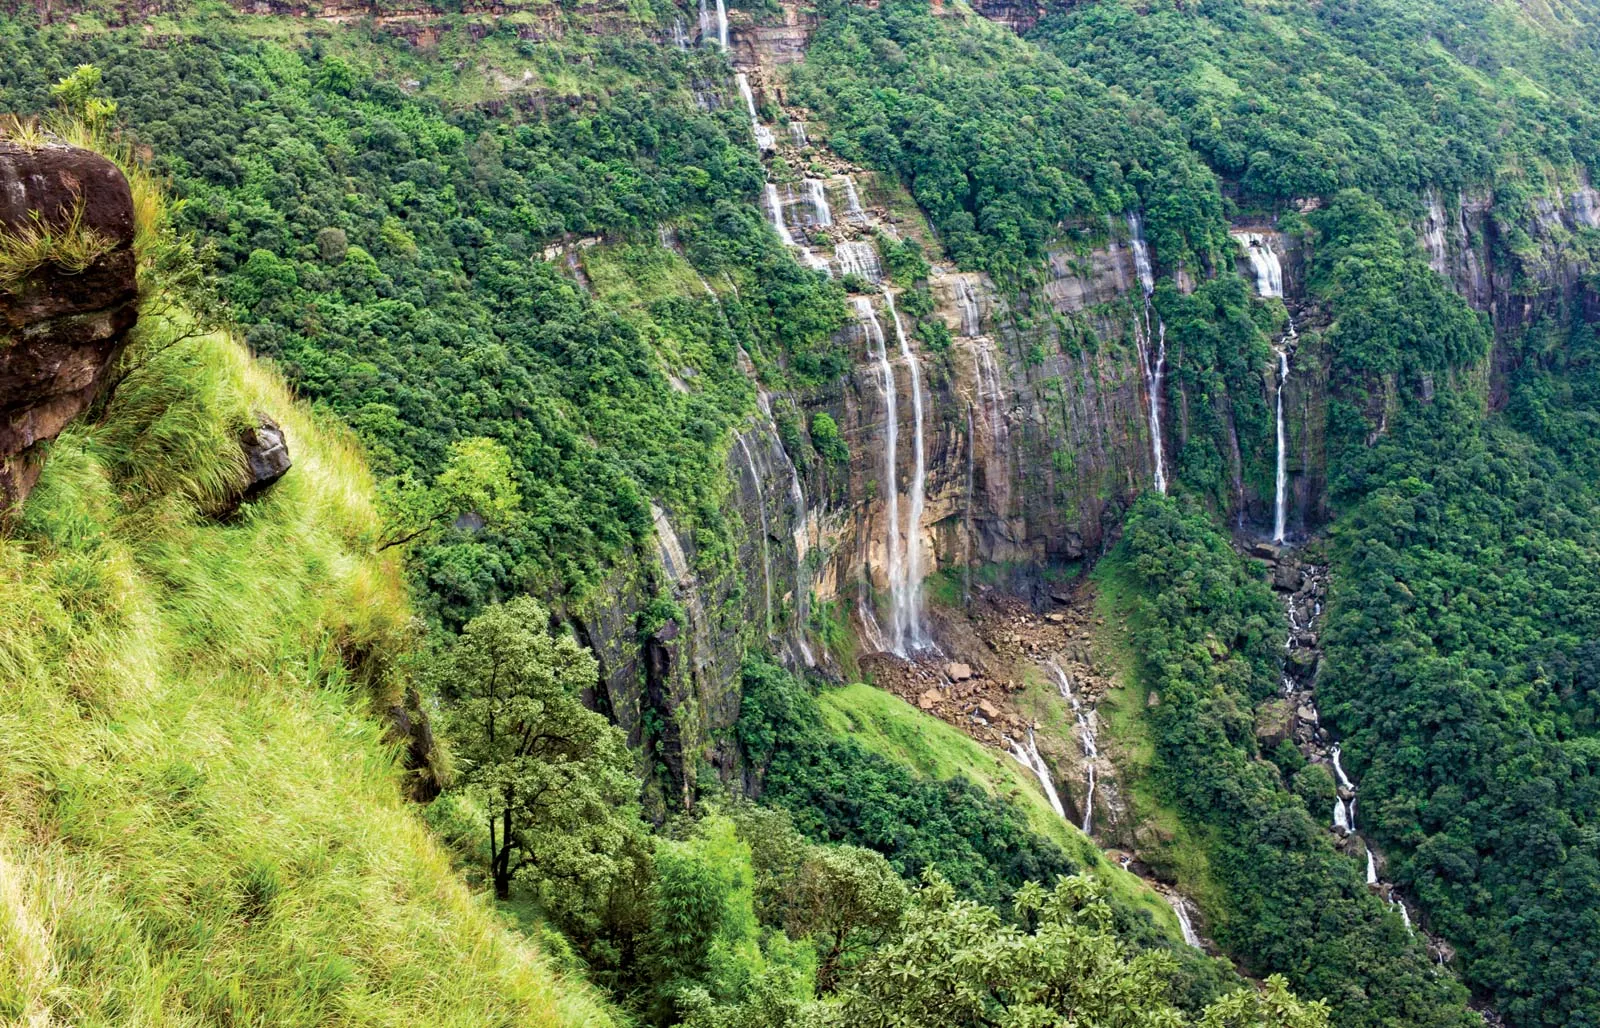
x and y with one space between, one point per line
60 328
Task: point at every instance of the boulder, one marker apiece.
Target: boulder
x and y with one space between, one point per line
929 699
957 671
266 455
60 328
1274 723
1287 576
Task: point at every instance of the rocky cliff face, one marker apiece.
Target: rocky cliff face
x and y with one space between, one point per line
60 327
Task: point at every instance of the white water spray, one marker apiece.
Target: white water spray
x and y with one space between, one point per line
819 202
1030 759
1341 817
1181 908
775 208
766 531
1153 375
916 633
878 351
764 140
1263 262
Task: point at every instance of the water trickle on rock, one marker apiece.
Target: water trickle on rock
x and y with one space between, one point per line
1154 374
1029 758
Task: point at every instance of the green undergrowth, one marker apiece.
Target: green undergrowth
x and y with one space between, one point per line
201 819
892 728
1175 847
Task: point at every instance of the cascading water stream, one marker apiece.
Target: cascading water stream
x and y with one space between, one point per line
1181 908
1030 759
1372 868
852 201
1280 499
1088 738
1263 262
797 133
775 208
916 633
878 351
766 531
967 301
1153 376
858 258
764 140
705 22
819 202
1341 818
1338 770
722 26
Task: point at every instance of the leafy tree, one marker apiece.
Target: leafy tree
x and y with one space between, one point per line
957 964
476 484
554 779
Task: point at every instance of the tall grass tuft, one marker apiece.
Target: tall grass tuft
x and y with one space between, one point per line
200 816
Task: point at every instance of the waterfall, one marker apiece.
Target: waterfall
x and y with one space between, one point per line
967 301
797 133
819 202
1280 499
1405 916
966 565
764 140
1372 868
912 598
1338 770
1263 262
766 531
1341 817
775 207
680 34
869 623
1088 737
722 26
879 352
705 22
1030 759
852 202
992 394
1153 377
1181 908
857 258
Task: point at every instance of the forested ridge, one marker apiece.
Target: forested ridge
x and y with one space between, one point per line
537 263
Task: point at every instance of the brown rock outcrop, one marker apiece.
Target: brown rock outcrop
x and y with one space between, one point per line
59 329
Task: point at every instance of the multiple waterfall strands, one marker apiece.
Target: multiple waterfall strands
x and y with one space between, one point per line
766 531
852 202
913 634
1087 737
967 301
819 202
1263 262
797 133
1154 374
858 258
775 209
1031 759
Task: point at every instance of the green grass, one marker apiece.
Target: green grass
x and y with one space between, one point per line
892 728
1174 850
200 817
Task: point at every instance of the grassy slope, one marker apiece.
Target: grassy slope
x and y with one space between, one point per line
1176 851
892 728
199 818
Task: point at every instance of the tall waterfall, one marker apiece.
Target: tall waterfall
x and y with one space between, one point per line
915 631
1153 375
705 22
852 202
764 140
993 395
775 208
722 26
967 301
1280 498
1181 908
819 202
766 530
1030 759
879 352
1263 261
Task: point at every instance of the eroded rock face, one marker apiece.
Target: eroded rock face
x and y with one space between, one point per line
59 330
